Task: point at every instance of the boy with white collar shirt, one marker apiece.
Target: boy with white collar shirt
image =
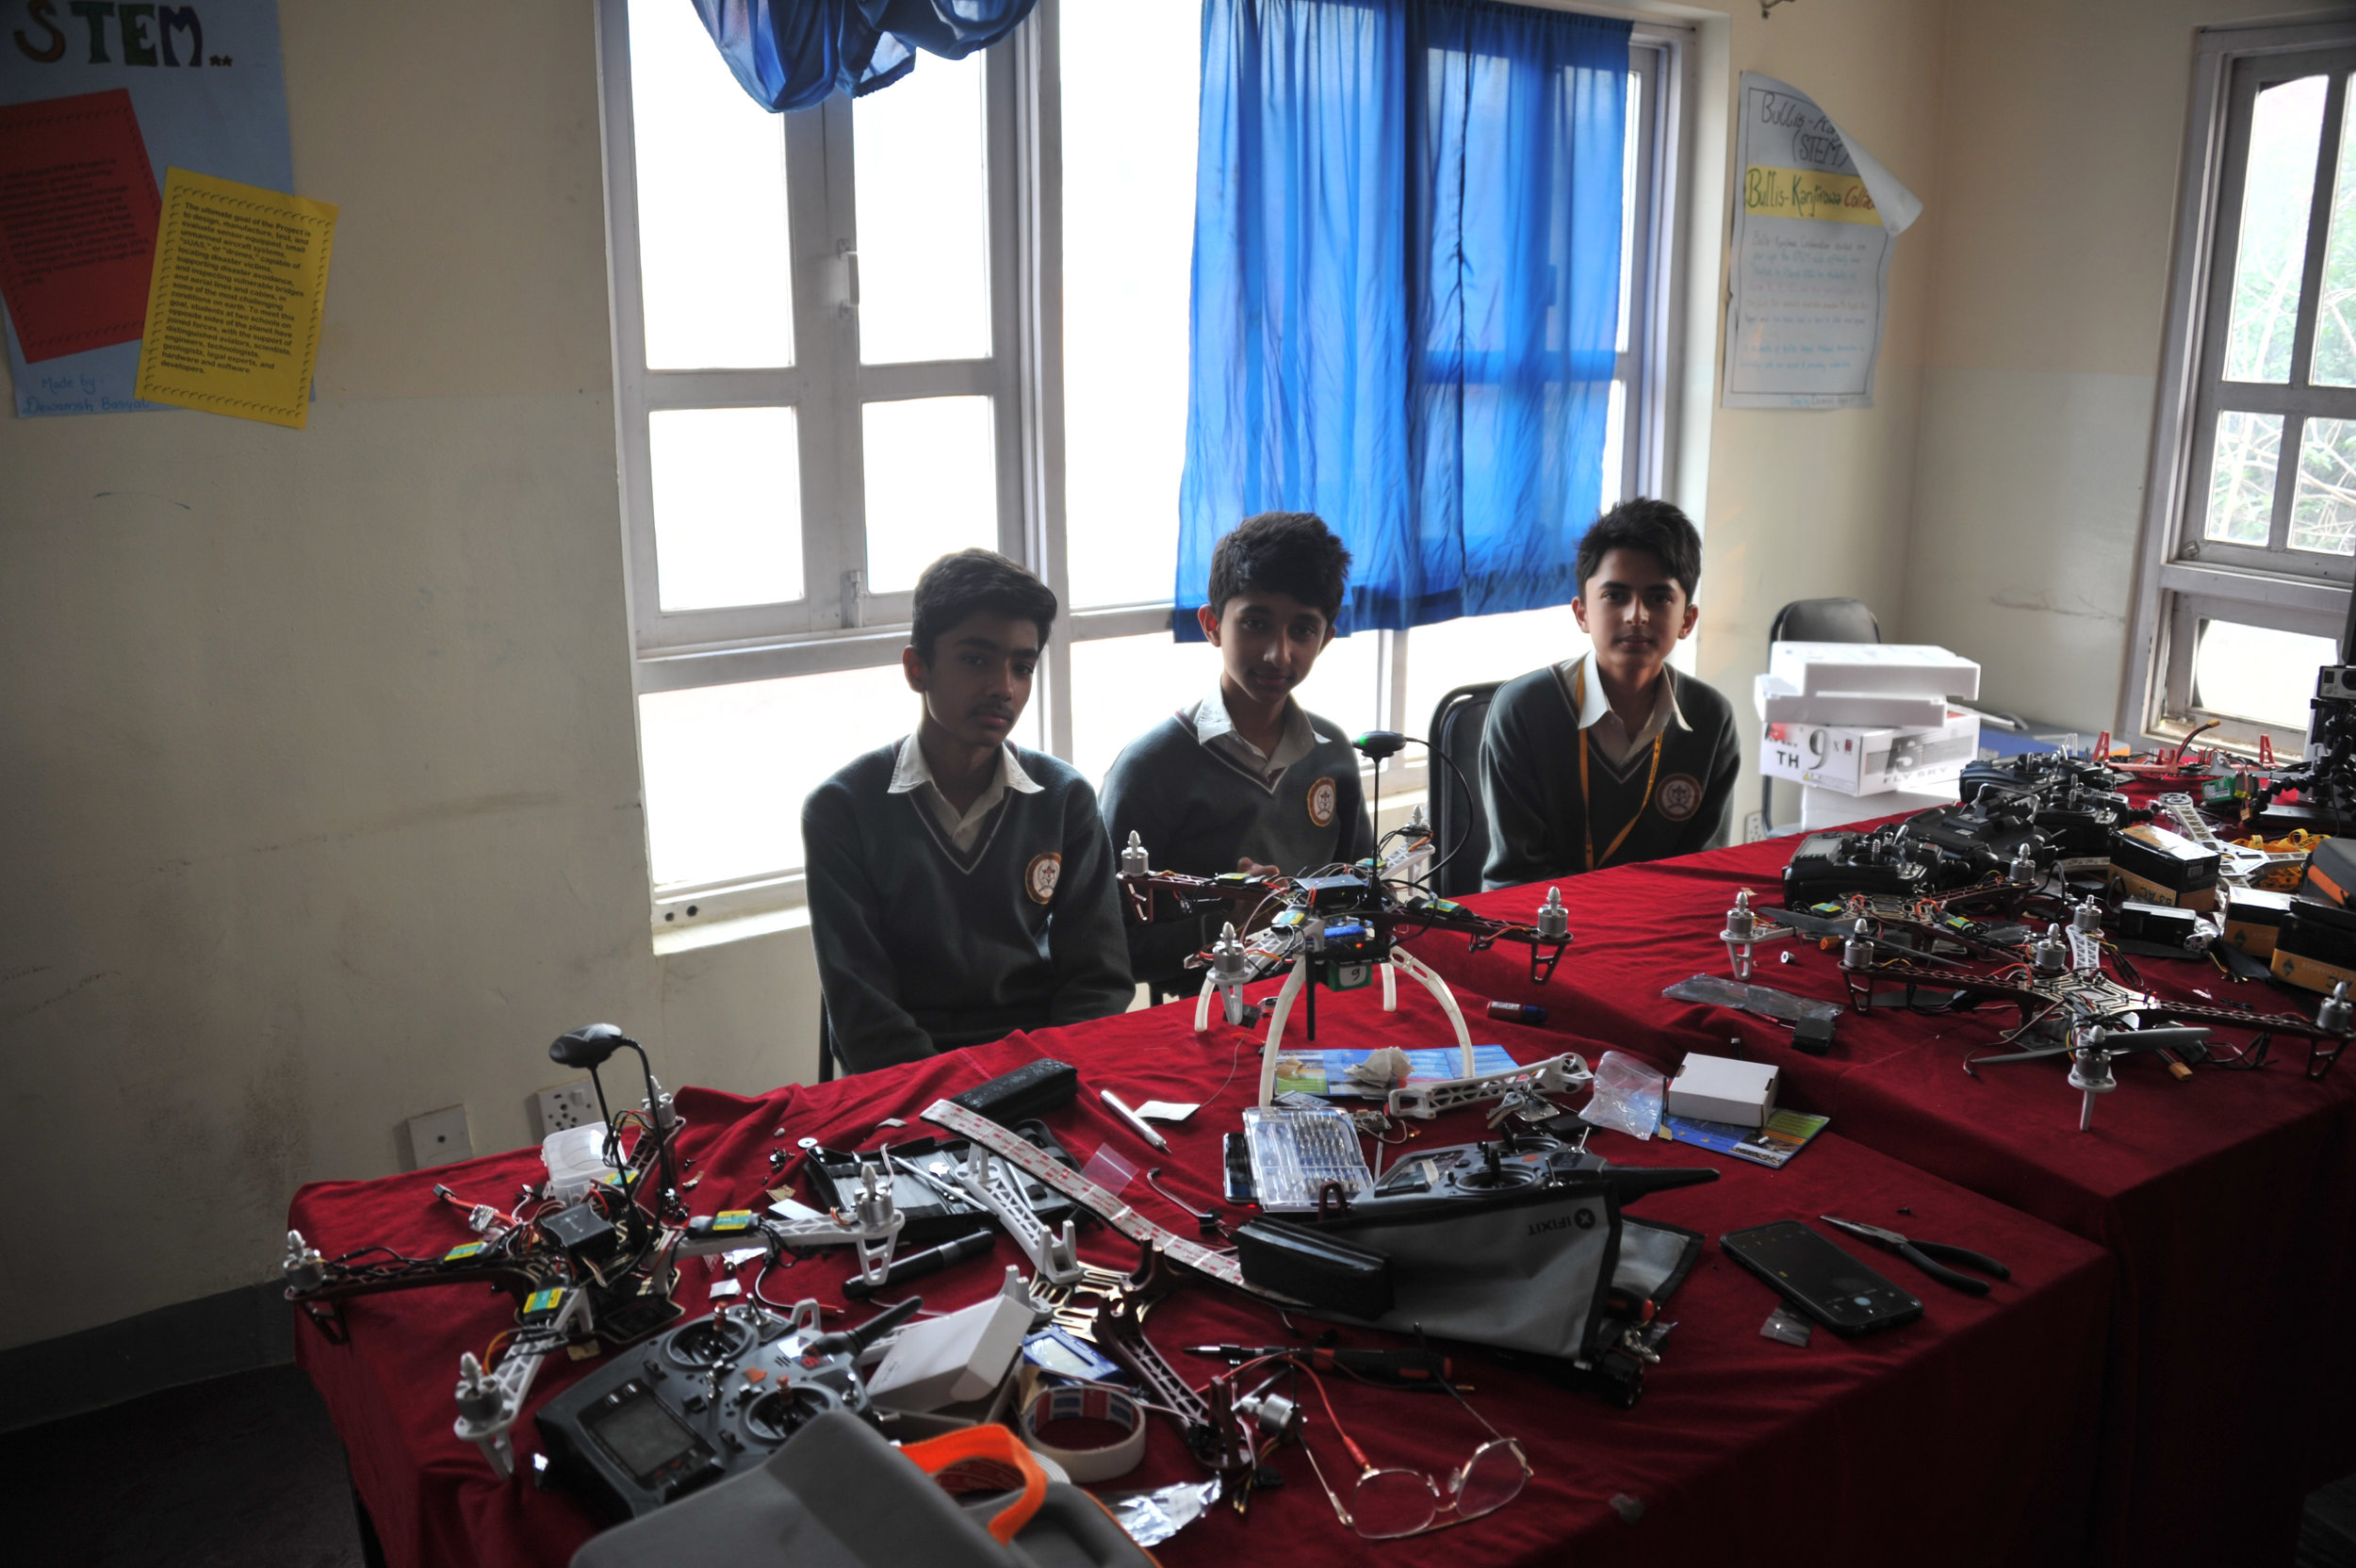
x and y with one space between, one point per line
1246 778
1612 757
960 887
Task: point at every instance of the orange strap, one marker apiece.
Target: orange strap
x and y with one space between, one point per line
988 1457
1586 801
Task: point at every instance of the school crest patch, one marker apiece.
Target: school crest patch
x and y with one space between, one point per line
1041 876
1680 796
1321 803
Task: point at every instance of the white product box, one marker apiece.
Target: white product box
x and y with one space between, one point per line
1719 1089
941 1360
1779 702
1910 669
1870 761
1823 808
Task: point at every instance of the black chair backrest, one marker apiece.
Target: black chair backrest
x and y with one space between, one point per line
1824 620
1458 824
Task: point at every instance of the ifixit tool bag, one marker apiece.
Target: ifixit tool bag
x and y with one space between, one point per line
1515 1243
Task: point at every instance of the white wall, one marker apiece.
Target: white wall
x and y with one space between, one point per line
319 744
2059 149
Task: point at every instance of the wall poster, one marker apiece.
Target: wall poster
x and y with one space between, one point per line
1815 218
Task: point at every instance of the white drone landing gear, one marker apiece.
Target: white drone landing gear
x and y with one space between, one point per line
1299 981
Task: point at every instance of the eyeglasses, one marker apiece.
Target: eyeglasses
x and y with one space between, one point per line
1388 1504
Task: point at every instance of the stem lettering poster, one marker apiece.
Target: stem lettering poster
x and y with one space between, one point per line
207 92
1814 220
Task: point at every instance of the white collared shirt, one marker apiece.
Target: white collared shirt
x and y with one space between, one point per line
1594 710
910 773
1214 725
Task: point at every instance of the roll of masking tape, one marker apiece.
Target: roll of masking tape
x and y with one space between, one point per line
1086 1402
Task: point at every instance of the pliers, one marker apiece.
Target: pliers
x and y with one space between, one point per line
1922 1253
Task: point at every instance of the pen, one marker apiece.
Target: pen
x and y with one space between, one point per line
1134 1119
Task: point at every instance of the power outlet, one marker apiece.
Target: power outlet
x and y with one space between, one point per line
1754 827
439 1137
573 1105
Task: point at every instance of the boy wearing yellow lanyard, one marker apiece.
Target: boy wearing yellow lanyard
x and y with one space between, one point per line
1611 756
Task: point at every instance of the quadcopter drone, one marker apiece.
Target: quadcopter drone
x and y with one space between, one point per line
2070 1007
1340 928
602 1264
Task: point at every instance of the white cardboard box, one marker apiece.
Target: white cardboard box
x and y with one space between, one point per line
1859 761
939 1360
1779 702
1719 1089
1909 669
1823 808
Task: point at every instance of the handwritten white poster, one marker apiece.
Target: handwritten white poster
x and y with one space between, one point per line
1814 219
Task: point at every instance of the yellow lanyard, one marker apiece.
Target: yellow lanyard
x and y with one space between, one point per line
1586 801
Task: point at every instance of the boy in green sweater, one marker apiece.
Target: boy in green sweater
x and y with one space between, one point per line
1611 756
1246 778
961 886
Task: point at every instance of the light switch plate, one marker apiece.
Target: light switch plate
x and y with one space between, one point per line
439 1137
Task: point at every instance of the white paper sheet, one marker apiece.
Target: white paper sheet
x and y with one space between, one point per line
1815 217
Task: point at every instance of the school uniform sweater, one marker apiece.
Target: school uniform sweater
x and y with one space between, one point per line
1201 799
1538 818
922 949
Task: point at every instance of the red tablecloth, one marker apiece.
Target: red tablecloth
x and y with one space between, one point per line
1965 1438
2229 1201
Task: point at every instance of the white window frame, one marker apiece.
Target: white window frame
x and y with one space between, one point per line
2183 579
837 624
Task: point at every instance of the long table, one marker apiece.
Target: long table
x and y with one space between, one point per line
2229 1201
1968 1437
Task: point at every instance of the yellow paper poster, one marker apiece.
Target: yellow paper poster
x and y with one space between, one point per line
233 310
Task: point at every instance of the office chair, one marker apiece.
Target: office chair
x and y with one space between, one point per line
1457 823
825 1046
1814 621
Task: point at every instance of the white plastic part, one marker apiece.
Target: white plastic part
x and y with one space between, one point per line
1390 987
575 1160
496 1397
1055 1258
1285 999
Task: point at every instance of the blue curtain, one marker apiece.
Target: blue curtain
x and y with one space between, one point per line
791 54
1406 293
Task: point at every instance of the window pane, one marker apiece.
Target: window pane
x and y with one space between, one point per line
2323 511
2334 361
728 506
713 263
1632 145
1482 648
2284 127
924 215
1130 75
1616 445
727 766
2241 478
1123 686
2258 673
932 486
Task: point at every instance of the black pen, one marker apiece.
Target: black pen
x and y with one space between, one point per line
916 1265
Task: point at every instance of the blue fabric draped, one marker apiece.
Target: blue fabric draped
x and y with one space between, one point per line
1406 293
791 54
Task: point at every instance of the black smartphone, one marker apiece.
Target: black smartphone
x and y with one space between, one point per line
1820 1278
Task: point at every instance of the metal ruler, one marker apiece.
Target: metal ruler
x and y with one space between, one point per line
1104 1205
